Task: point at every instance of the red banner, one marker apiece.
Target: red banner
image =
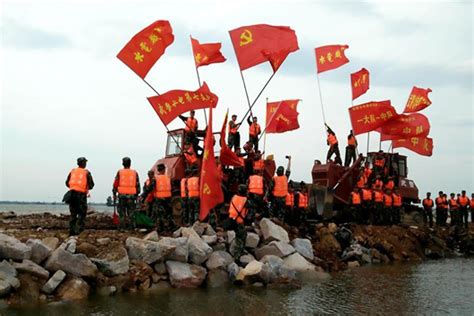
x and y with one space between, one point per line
256 44
359 83
146 47
227 156
420 145
407 125
210 190
173 103
369 116
206 54
330 57
282 116
418 100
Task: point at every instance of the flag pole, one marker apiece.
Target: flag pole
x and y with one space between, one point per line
368 141
198 78
246 93
265 134
321 98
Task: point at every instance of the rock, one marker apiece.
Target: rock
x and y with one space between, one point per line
5 288
103 241
210 231
199 227
146 250
199 251
28 293
160 286
9 274
53 282
73 289
252 240
180 245
230 236
303 247
106 290
77 264
210 240
87 249
366 258
155 278
140 272
257 284
354 251
70 244
219 260
113 260
332 228
152 236
233 269
271 231
177 233
273 261
160 268
183 275
217 278
145 285
276 248
328 242
39 251
298 263
51 242
251 269
245 259
12 248
188 232
32 268
219 246
353 264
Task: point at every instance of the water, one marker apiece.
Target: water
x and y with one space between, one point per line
23 209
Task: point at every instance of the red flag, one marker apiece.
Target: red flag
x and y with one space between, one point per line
210 191
146 47
206 54
282 116
369 116
420 145
330 57
255 44
360 83
227 156
173 103
418 100
406 125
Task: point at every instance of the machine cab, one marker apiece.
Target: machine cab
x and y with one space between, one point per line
174 143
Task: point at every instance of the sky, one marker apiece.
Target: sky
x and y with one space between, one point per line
64 94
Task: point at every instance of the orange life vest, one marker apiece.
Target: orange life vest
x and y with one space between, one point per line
351 141
183 187
387 200
232 130
378 197
453 204
378 184
256 184
332 140
367 172
361 182
258 165
281 186
379 162
397 200
366 195
472 204
190 155
78 180
162 186
290 199
127 181
463 201
254 129
193 187
191 125
237 209
390 185
355 198
439 202
428 203
302 200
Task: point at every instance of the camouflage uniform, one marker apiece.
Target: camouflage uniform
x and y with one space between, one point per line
78 209
126 208
162 213
193 209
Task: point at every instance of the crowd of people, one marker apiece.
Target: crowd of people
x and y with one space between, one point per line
457 207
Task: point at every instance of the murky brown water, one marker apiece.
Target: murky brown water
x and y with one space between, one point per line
436 287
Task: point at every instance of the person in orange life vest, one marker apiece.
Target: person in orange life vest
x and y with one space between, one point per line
463 202
378 206
379 163
79 181
351 149
238 216
396 207
378 183
367 214
127 185
289 216
248 162
190 155
333 146
355 202
279 189
254 131
454 210
302 204
148 199
361 181
428 209
184 193
387 209
471 206
256 192
193 193
190 129
367 171
439 201
390 185
258 162
233 139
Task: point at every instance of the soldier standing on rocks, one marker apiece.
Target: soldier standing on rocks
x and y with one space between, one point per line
148 199
79 181
238 209
463 202
428 209
127 184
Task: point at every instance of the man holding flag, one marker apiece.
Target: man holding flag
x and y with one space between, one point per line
254 131
333 146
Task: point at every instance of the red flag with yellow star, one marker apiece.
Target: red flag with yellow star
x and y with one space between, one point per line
418 100
360 83
210 190
406 125
146 47
206 54
370 116
282 116
420 145
330 57
256 44
227 156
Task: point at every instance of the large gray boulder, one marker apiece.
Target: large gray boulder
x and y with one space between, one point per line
199 227
272 231
217 278
188 232
246 259
51 242
73 289
54 282
146 250
77 264
12 248
303 247
181 248
252 240
5 288
8 278
233 270
39 251
219 260
199 250
277 248
210 240
184 275
305 270
253 268
112 261
32 268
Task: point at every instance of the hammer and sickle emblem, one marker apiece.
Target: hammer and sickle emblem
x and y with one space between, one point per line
245 37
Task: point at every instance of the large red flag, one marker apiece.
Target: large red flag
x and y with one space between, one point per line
282 116
227 156
418 100
173 103
146 47
369 116
255 44
330 57
420 145
210 190
206 54
406 125
360 83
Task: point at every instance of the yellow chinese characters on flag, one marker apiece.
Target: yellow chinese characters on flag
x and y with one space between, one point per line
370 116
420 145
330 57
418 100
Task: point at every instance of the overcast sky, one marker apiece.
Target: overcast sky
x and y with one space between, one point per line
64 94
